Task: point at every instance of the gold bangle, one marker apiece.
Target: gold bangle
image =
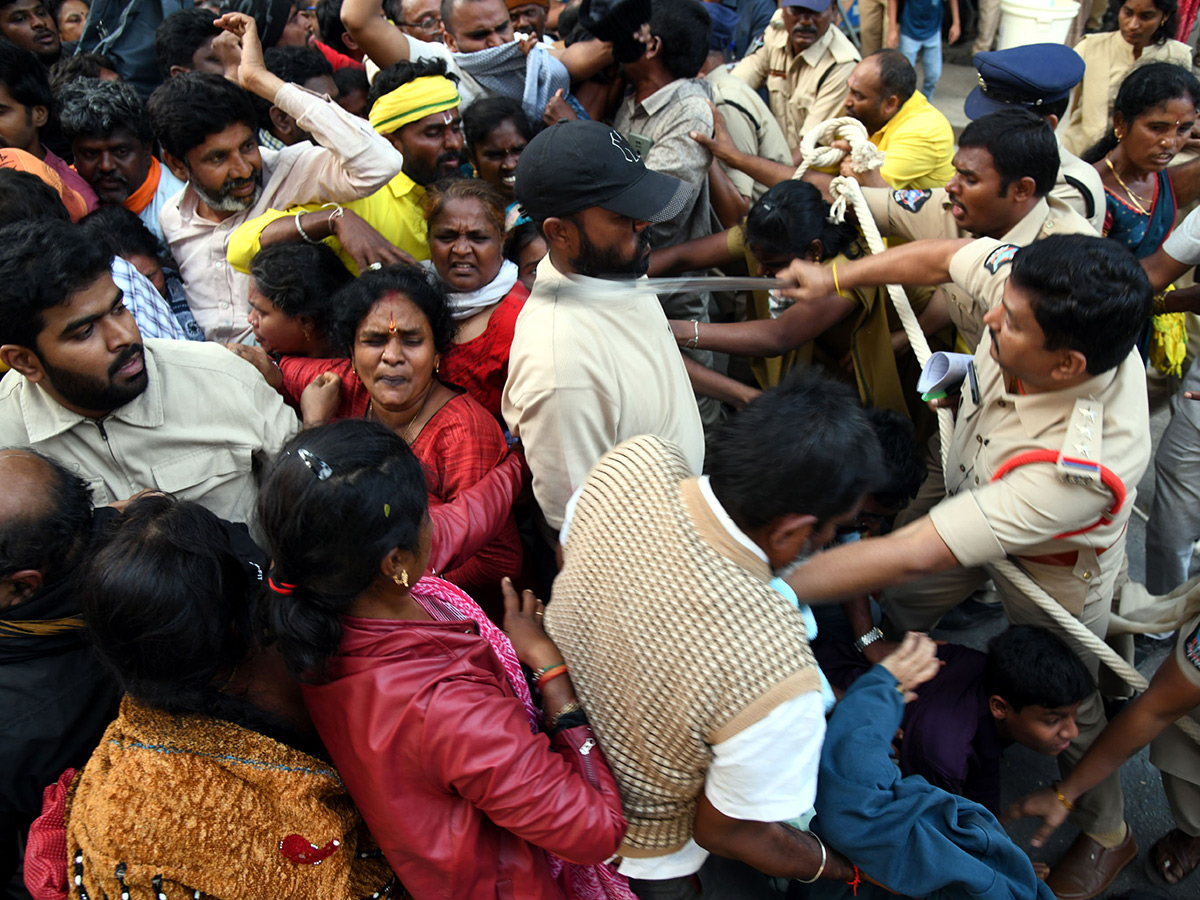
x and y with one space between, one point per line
573 706
1160 303
837 287
1063 799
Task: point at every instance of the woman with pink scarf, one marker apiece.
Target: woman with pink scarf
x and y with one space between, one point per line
419 699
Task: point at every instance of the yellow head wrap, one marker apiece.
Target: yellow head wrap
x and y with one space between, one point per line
416 100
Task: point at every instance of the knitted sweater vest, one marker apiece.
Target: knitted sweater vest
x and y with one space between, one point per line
674 638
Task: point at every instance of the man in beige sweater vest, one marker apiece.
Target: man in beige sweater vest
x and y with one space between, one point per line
694 669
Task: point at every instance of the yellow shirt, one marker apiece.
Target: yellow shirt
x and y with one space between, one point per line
919 146
394 211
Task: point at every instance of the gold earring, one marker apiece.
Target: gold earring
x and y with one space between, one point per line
401 579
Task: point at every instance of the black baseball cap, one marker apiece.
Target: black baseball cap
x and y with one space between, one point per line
573 165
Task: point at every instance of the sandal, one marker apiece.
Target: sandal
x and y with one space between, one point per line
1174 857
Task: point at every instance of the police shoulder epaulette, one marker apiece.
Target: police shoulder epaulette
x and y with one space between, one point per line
1079 458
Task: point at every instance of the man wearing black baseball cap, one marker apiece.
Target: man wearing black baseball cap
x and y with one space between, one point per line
592 361
1040 77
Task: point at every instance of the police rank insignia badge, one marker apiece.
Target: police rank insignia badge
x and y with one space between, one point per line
1001 256
911 199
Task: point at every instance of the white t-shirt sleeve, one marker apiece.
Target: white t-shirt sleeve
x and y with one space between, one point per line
768 771
1183 244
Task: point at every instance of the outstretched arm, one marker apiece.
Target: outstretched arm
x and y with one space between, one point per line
583 59
384 43
798 325
764 171
708 383
1162 268
867 565
462 527
709 252
727 201
919 262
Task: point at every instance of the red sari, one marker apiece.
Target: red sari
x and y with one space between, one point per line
481 364
458 446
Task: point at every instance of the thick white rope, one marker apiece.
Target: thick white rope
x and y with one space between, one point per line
847 191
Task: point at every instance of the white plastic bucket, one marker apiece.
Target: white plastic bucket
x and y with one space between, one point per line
1031 22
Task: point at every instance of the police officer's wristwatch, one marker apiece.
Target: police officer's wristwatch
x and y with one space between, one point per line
866 640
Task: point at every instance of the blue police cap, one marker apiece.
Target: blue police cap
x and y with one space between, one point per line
1023 76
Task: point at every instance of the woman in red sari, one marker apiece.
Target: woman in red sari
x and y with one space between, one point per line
397 327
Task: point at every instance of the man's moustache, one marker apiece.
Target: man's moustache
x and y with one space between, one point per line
135 350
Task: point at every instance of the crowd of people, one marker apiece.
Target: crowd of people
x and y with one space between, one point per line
335 394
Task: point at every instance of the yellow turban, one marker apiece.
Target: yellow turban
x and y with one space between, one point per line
415 100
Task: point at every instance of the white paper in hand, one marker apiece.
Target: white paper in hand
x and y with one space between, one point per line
944 372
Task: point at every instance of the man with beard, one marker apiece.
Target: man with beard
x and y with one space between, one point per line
206 126
113 146
28 24
415 107
592 362
187 418
1049 445
692 661
804 62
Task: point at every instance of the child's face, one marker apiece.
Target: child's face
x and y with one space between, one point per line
1047 730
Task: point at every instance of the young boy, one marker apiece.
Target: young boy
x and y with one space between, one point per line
25 109
1026 689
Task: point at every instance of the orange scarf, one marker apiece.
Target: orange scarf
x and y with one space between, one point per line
140 199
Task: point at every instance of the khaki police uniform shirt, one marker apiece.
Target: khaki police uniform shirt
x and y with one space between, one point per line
1023 513
751 126
1086 194
917 215
792 81
204 429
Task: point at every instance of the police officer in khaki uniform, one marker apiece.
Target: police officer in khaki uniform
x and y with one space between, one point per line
804 61
1039 78
1004 169
1049 380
